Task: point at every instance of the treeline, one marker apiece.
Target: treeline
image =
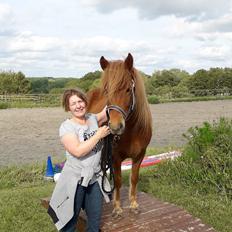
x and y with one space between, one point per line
173 83
17 83
179 83
57 85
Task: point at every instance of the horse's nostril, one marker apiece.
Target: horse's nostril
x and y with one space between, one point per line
116 128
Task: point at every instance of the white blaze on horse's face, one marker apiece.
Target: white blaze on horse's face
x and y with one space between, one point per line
117 83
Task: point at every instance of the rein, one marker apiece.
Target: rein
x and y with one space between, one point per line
107 163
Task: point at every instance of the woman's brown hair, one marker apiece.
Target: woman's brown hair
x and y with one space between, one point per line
70 92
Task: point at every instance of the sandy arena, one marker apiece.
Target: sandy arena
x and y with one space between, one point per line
30 135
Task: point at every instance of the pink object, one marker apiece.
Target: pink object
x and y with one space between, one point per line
151 160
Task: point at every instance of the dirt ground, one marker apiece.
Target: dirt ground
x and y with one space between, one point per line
30 135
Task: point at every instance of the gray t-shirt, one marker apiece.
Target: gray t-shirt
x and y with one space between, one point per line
84 132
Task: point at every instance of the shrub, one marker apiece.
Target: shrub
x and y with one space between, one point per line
206 159
4 105
153 99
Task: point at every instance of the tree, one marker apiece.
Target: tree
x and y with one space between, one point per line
57 83
21 84
150 85
180 91
95 84
14 83
165 78
226 78
85 83
39 85
199 83
181 74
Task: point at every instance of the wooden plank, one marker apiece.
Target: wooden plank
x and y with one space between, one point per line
154 216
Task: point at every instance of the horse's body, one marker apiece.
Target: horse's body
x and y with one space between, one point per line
120 81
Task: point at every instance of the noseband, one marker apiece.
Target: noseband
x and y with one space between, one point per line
125 115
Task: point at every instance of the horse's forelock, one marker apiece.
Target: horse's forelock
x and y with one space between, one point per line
115 77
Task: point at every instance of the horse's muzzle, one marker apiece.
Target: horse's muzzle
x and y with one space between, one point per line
117 129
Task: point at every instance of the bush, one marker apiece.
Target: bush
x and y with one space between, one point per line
153 99
180 92
206 159
211 147
4 105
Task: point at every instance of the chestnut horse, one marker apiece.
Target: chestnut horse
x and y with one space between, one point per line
130 120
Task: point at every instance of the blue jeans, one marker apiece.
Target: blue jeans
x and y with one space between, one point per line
90 198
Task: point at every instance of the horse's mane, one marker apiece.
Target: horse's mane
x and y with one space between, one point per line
116 77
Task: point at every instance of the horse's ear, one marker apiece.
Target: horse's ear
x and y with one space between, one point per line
129 62
103 62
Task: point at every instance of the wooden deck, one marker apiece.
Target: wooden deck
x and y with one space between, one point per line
154 216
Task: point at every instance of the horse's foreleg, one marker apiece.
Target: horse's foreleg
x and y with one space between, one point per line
133 183
117 211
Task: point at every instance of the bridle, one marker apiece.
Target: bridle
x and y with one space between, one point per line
111 140
127 114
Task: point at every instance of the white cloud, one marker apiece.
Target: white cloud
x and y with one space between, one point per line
222 24
150 9
60 38
214 53
26 42
6 20
68 56
5 12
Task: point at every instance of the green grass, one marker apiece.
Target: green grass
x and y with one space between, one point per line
22 188
20 191
159 150
31 104
21 210
4 105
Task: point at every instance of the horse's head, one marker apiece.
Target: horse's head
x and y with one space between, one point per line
118 85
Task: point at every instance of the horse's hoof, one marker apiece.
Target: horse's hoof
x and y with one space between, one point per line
135 210
117 213
134 207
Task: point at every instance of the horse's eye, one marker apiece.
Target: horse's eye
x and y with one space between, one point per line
128 90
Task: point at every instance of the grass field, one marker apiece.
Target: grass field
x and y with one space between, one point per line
20 191
22 187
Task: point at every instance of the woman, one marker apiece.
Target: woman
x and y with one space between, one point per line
79 185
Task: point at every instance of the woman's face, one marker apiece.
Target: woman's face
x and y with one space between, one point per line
77 106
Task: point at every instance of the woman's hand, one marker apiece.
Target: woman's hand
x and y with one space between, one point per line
102 117
103 132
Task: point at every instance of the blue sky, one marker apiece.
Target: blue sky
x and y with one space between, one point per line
66 38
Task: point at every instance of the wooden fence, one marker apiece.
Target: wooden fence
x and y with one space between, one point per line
35 98
56 98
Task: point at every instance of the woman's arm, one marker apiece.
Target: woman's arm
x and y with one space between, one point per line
80 149
102 117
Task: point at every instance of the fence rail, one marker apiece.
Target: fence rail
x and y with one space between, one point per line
212 92
56 98
182 93
35 98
